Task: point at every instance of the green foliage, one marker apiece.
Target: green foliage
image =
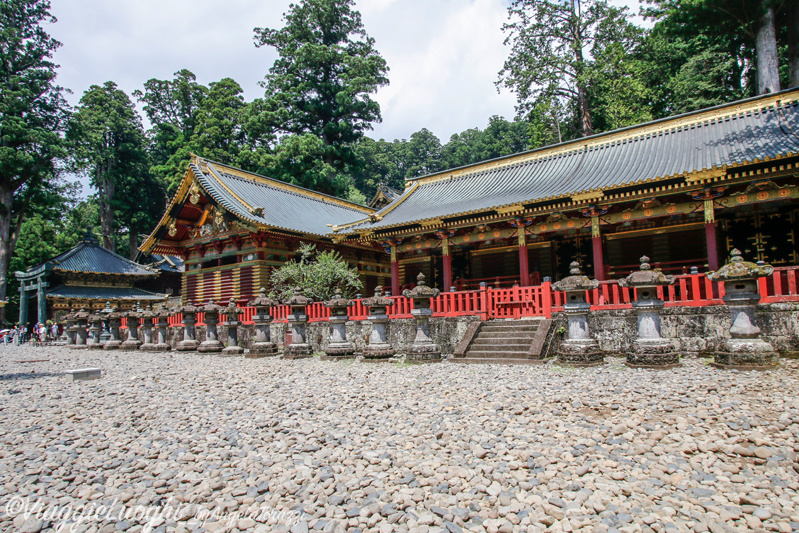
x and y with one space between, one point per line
32 116
317 274
323 78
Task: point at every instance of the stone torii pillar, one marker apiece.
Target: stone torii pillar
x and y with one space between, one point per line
423 347
263 345
298 319
231 314
378 348
651 350
744 348
211 343
189 342
23 304
579 348
41 299
338 346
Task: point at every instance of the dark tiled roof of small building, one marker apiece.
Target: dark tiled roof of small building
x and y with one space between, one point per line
760 129
103 293
89 256
274 203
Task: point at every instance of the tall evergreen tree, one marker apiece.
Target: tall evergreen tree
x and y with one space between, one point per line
323 79
32 114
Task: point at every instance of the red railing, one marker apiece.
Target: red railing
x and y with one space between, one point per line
692 290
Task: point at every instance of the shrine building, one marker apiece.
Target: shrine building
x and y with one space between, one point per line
683 190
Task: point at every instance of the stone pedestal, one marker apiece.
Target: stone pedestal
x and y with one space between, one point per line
114 322
81 324
69 328
132 342
378 348
423 348
189 343
298 321
146 329
651 350
95 328
744 349
262 346
338 346
211 343
231 314
579 348
162 325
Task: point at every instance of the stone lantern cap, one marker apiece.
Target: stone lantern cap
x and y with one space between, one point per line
421 291
646 277
134 313
82 314
115 314
232 311
211 307
338 301
298 300
95 317
739 270
378 300
190 308
164 312
576 282
107 310
148 313
262 300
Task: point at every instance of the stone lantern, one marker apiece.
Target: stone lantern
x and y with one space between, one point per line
81 322
745 348
162 321
189 342
95 326
338 345
298 319
423 347
147 316
650 348
134 318
232 313
105 335
263 345
69 327
114 322
579 348
378 347
211 343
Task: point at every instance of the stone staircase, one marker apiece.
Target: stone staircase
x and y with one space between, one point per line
504 341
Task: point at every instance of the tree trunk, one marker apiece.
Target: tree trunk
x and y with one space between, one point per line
133 243
768 76
106 191
5 245
793 46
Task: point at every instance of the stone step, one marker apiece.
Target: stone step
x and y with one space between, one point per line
510 326
495 335
504 348
479 341
496 355
496 361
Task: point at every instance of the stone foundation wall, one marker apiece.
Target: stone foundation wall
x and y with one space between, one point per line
446 332
694 330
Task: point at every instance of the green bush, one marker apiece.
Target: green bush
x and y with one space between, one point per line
317 274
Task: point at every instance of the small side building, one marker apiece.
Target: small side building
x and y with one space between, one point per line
86 276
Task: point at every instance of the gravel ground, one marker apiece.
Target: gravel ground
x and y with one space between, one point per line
161 441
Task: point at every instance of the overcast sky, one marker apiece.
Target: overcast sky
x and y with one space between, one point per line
443 55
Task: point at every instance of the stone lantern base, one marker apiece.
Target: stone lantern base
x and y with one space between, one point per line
156 347
130 345
745 354
261 349
337 350
580 352
423 353
233 350
378 352
187 346
210 346
654 353
297 351
79 346
112 345
96 346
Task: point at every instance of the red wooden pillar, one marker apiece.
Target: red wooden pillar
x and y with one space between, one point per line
395 285
447 263
524 267
596 241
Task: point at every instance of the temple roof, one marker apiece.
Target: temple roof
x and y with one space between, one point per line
384 196
103 293
702 143
89 257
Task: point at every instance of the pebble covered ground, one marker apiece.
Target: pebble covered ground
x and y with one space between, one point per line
303 445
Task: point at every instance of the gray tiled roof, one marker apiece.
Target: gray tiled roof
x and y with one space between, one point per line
103 293
284 207
89 256
580 166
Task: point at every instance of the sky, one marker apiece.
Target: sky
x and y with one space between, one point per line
443 55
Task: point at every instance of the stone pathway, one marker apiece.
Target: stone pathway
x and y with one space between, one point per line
341 446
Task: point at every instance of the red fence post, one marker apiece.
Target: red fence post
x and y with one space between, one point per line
546 298
484 310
